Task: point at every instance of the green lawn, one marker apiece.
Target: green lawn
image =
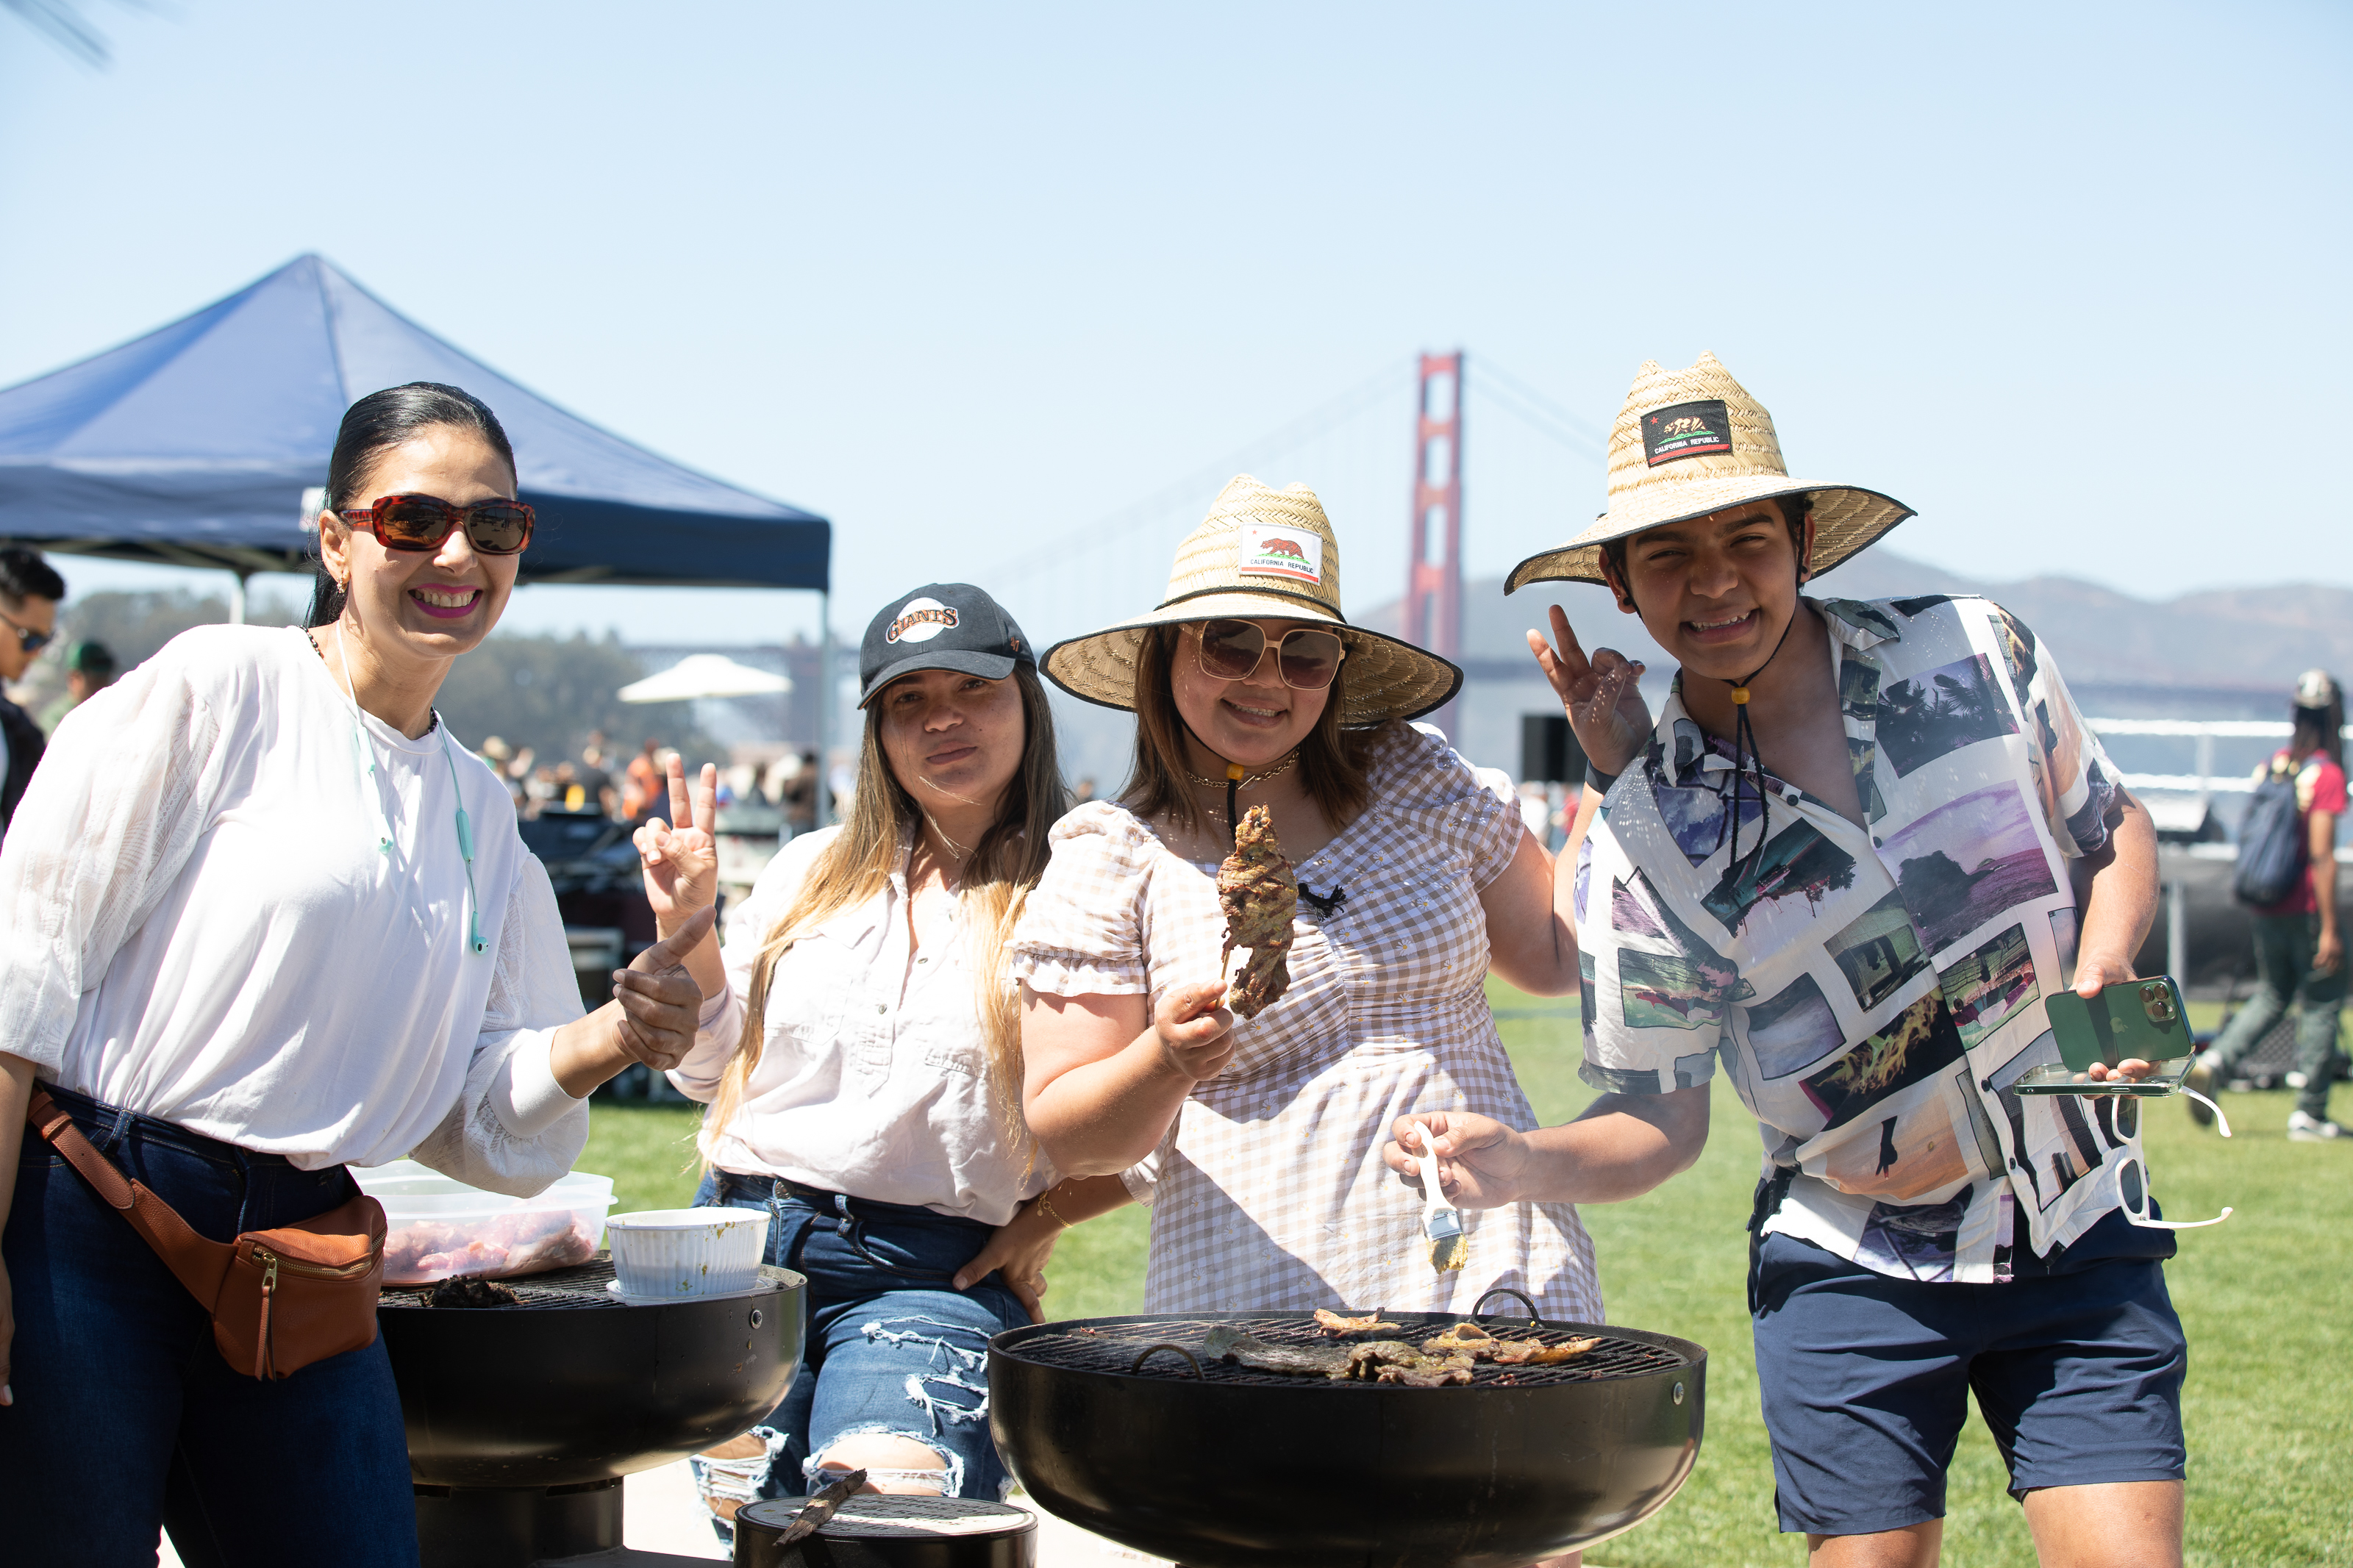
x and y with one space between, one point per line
2265 1298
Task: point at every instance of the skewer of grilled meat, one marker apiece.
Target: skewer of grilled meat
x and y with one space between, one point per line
1260 898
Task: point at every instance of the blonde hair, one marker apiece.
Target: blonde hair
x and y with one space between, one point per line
1331 759
1004 866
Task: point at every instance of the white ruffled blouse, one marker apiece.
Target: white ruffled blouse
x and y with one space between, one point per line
196 923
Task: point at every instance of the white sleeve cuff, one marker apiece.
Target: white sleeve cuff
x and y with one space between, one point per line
717 1033
526 1095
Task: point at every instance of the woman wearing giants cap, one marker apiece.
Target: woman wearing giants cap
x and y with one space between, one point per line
1257 1142
861 1059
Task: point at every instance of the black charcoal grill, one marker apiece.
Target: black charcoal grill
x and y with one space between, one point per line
1127 1428
523 1420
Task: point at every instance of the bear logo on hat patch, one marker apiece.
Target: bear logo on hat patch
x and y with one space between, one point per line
920 620
1686 430
1269 550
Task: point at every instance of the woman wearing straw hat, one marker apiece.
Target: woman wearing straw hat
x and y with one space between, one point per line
1865 843
1257 1143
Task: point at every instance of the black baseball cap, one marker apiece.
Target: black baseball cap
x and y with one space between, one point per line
940 625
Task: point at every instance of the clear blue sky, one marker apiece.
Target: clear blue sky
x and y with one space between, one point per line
2069 280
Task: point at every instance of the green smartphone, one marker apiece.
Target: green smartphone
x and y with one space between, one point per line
2132 1018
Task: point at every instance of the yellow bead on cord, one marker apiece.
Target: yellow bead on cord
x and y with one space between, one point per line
1234 771
1743 749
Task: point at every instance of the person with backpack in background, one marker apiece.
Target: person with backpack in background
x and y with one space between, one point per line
2287 871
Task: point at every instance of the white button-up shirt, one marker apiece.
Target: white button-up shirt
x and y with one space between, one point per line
874 1075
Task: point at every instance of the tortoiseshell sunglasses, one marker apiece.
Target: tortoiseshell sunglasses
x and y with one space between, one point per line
497 527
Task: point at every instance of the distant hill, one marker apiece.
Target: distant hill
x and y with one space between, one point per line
2252 639
2227 654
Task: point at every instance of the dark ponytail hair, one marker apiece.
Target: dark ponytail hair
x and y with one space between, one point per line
373 426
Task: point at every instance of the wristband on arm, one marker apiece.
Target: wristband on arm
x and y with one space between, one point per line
1595 778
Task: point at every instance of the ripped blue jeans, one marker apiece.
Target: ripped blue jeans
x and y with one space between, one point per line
893 1348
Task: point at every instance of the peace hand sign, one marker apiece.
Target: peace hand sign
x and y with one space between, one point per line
681 862
1602 696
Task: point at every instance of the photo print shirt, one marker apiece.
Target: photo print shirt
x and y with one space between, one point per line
1873 993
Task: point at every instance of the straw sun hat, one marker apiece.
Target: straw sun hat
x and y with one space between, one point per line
1261 554
1689 442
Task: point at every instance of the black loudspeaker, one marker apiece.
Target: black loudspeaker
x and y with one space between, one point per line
1548 749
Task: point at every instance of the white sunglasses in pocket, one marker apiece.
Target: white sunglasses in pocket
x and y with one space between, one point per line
2132 1187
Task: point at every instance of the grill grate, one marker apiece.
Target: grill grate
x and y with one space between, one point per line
1113 1347
557 1290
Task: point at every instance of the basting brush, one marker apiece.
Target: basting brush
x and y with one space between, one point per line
1449 1248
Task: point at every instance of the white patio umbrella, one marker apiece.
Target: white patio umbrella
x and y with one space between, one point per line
705 675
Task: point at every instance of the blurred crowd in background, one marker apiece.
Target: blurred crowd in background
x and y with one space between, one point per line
591 782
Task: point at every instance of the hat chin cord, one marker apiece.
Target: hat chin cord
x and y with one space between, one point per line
1744 746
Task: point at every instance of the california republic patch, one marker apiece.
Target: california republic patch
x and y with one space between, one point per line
1269 550
1686 430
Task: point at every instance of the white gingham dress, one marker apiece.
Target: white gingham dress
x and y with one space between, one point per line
1268 1192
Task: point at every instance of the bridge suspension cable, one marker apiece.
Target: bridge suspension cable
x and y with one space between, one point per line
1195 489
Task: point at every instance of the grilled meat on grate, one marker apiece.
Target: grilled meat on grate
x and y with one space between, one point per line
471 1291
583 1286
1420 1350
1226 1343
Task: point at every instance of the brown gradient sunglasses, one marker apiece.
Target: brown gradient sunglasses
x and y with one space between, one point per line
495 526
1306 659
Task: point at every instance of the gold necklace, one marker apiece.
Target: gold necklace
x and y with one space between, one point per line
1245 781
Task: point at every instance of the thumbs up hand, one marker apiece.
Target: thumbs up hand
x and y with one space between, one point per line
658 1000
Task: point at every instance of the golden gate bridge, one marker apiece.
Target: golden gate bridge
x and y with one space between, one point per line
1426 458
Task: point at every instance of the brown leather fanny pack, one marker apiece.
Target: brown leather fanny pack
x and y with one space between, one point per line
280 1299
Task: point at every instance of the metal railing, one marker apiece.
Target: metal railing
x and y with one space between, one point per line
2203 783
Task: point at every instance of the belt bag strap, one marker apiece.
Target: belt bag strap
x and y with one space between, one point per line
280 1299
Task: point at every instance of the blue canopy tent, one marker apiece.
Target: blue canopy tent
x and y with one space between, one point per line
194 445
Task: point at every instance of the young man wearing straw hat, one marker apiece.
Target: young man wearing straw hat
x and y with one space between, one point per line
1863 842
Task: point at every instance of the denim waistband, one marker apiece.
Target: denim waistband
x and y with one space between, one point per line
105 1124
841 1205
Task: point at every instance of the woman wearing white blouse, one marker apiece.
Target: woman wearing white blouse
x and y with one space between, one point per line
261 919
862 1057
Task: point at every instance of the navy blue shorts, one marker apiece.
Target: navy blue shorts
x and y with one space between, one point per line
1865 1382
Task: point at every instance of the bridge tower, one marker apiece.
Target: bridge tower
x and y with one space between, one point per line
1433 573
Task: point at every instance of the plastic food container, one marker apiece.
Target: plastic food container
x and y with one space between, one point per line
671 1253
440 1228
